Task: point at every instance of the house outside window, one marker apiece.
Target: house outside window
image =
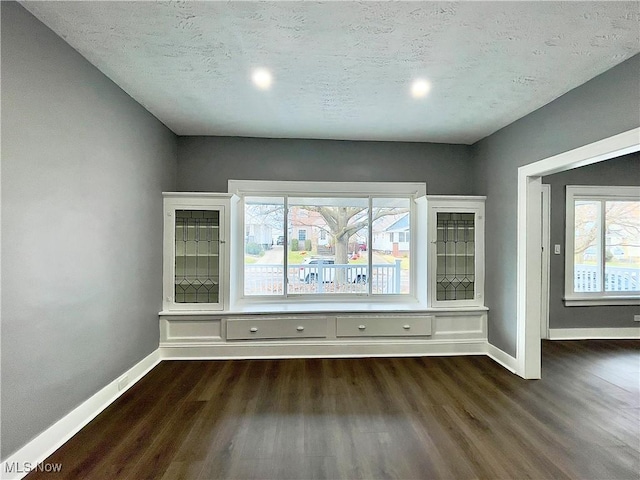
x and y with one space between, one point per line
602 264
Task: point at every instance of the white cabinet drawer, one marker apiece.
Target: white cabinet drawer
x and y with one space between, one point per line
383 326
264 328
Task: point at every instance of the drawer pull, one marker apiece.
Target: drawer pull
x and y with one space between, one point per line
253 329
300 328
361 327
406 327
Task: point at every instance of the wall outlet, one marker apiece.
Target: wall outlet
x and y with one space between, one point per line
123 382
636 318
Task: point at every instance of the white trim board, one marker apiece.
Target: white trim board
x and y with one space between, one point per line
528 351
279 187
41 447
502 358
281 350
546 259
594 333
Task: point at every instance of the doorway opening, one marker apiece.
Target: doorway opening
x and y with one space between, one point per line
529 260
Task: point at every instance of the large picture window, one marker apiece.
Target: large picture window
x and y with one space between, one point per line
603 245
327 243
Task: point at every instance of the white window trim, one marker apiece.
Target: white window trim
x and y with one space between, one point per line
243 188
343 189
577 299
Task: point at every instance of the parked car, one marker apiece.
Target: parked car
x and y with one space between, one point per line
280 240
359 246
310 274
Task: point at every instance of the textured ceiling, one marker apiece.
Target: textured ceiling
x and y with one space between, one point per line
343 70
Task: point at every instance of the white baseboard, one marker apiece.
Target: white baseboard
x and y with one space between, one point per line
594 333
264 350
31 456
502 358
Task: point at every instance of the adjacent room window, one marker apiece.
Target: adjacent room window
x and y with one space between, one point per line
602 264
320 242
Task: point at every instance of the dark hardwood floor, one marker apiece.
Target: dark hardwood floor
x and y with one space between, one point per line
422 418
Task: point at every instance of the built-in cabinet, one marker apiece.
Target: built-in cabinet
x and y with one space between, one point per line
195 253
198 319
323 334
455 228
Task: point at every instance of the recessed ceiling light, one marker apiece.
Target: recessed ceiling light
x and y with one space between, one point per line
420 88
261 78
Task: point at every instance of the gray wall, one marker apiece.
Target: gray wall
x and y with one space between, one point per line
619 171
206 163
604 106
83 166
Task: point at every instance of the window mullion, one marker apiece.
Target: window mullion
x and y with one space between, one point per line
370 248
285 247
603 247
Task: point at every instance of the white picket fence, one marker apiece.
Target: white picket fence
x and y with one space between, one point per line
268 279
587 278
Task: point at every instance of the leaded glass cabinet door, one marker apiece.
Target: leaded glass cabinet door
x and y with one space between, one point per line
197 256
455 256
194 253
457 250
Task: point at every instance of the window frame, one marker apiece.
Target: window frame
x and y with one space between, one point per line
285 189
596 193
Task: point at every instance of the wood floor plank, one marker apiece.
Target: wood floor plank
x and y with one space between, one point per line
125 428
155 460
182 471
387 418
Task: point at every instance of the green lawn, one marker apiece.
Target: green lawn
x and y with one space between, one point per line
296 258
404 261
361 259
